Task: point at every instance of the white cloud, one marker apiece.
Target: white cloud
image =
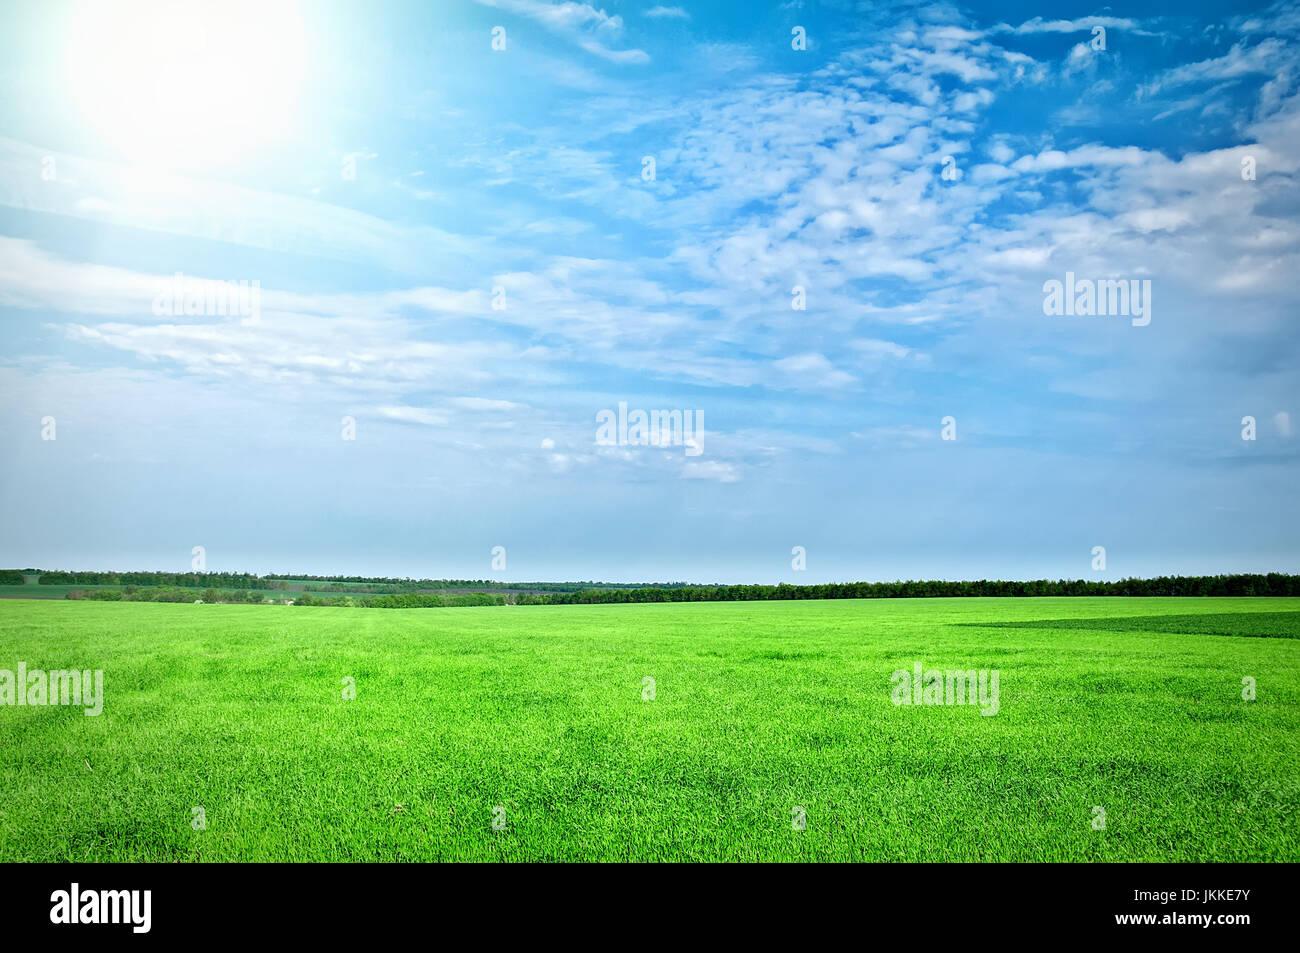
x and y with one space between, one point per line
1263 58
414 415
614 56
113 194
878 349
812 370
485 404
710 470
577 22
1039 25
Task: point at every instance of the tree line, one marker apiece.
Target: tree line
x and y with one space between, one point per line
192 580
168 594
246 587
282 581
405 584
1271 584
406 600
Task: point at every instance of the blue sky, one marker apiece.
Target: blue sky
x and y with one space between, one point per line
385 175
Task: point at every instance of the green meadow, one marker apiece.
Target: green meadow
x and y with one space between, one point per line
692 731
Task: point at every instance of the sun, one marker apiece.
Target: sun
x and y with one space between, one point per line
186 84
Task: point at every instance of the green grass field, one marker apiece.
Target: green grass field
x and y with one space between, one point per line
535 717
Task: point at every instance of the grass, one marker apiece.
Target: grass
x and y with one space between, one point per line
759 709
1269 625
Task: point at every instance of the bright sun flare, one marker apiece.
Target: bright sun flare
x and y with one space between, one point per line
186 83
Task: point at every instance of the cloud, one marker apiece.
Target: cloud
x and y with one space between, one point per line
1039 25
893 436
106 193
710 470
578 22
1079 58
812 370
414 415
667 13
876 349
1263 58
485 404
614 56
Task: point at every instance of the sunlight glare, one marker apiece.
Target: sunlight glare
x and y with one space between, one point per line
187 83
